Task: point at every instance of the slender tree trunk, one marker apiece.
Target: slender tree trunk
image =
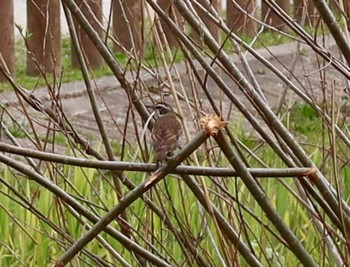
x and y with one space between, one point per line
311 15
212 27
237 20
127 24
168 8
347 11
45 41
92 9
7 35
271 18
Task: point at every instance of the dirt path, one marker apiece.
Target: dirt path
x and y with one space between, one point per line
76 104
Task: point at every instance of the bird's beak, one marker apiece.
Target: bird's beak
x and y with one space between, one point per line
150 107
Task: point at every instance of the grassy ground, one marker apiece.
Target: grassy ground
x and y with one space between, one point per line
33 223
150 59
27 238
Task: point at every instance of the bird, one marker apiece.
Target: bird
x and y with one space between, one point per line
166 131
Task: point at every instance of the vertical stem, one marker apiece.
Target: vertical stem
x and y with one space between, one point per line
45 41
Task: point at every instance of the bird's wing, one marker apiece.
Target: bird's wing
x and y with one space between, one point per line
166 134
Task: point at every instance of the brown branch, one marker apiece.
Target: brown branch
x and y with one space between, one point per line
150 167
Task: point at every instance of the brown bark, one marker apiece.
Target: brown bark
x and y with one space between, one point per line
238 20
7 35
271 18
169 9
212 27
127 24
45 41
347 8
311 14
347 12
91 54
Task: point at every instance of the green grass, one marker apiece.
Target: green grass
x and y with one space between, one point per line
17 131
69 73
151 58
28 239
312 122
21 231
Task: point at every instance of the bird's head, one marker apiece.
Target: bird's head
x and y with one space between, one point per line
162 108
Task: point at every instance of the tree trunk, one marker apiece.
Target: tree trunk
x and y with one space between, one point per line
271 18
307 6
127 25
212 27
45 40
168 8
347 11
90 52
237 20
7 35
